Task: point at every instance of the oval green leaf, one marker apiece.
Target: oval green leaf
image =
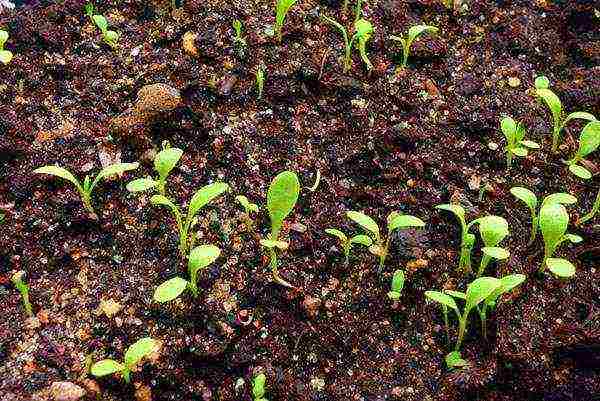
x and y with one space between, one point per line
282 196
170 289
364 221
205 195
560 197
496 252
404 221
166 160
398 281
337 233
141 184
442 299
493 230
138 350
361 239
58 172
106 367
589 140
526 196
479 290
553 221
202 256
561 267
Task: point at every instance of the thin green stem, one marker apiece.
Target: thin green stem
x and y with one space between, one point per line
485 261
509 158
446 323
555 137
384 253
462 328
533 234
593 212
126 375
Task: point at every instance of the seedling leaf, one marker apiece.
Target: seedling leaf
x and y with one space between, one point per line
398 281
493 230
526 196
403 221
442 299
589 140
580 171
496 252
361 239
170 289
282 196
141 184
454 360
166 160
365 222
553 221
479 290
204 195
202 256
138 350
560 197
337 233
561 267
106 367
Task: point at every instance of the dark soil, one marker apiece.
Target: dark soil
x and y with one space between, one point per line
384 141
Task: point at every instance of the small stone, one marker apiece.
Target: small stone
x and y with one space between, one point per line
143 392
110 307
155 99
32 323
311 306
417 264
189 46
66 391
317 383
492 145
513 82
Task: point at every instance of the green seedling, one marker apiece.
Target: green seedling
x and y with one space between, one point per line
516 145
249 208
397 285
455 361
85 189
142 348
237 27
413 33
395 221
258 387
347 243
363 32
281 11
358 10
558 118
467 240
17 280
553 221
200 258
89 10
110 37
260 80
186 223
477 292
282 196
493 230
490 303
542 82
531 200
164 162
5 55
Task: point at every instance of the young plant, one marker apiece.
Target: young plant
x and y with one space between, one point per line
110 37
89 10
237 27
477 292
397 285
454 360
346 243
493 230
282 196
164 162
413 33
395 221
258 387
260 80
135 353
282 8
249 208
363 32
467 240
542 82
185 224
17 280
516 145
553 221
5 55
558 118
200 258
531 200
85 189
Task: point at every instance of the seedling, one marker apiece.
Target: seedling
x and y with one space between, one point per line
201 198
282 8
110 37
516 145
558 118
85 189
413 33
363 32
493 230
467 240
553 222
542 82
260 80
358 10
258 387
89 10
137 351
237 27
5 55
282 196
395 221
397 285
455 361
347 243
477 292
508 284
164 162
589 140
17 280
200 258
249 208
531 200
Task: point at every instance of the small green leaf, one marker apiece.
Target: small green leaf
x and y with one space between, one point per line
454 208
553 221
561 267
560 197
454 360
365 222
479 290
493 230
170 289
166 160
337 233
59 172
519 151
258 385
496 252
579 115
512 281
442 299
404 221
111 37
202 256
456 294
3 37
526 196
553 103
580 171
246 204
509 128
398 281
141 184
163 201
589 140
418 30
361 239
100 22
138 350
112 170
575 239
542 82
205 195
106 367
282 196
269 243
363 28
530 144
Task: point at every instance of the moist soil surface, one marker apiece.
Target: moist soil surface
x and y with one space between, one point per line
388 140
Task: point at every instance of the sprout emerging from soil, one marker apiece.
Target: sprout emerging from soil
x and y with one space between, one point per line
542 82
455 361
363 32
258 387
85 189
164 162
5 55
493 230
413 33
558 118
137 351
397 285
553 221
260 80
347 243
200 258
282 8
531 200
186 223
110 37
489 304
395 221
516 145
17 280
249 208
237 27
282 196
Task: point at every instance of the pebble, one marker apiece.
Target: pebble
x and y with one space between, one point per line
66 391
514 82
311 306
